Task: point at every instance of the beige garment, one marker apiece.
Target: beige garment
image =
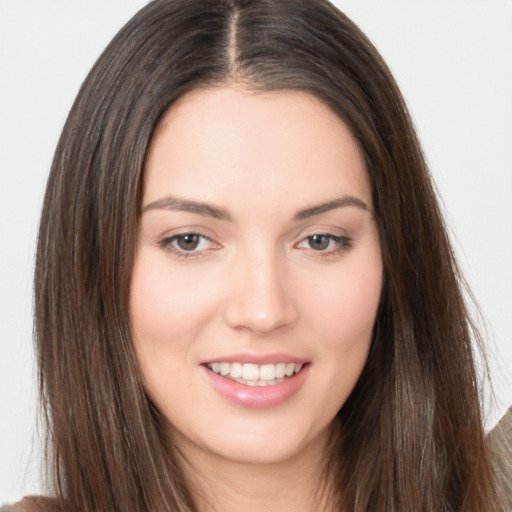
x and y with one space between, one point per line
500 444
33 504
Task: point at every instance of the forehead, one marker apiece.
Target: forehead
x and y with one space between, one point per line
225 143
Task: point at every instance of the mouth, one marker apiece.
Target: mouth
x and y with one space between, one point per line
255 375
243 382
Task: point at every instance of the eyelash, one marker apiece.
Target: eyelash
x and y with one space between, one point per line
343 243
167 245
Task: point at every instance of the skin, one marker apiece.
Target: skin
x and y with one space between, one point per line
256 284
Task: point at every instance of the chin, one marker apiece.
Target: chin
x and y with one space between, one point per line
257 444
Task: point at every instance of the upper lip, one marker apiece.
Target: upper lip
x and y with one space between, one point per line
258 359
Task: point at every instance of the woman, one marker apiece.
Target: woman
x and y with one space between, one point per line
323 251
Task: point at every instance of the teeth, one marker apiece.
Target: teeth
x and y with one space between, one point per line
256 375
280 370
249 371
268 372
236 371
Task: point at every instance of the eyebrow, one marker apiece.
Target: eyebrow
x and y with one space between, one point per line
208 210
176 203
331 205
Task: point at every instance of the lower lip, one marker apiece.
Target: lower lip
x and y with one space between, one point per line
256 397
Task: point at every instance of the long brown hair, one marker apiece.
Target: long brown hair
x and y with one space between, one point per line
411 436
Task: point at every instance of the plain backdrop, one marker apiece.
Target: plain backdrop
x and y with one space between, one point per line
453 61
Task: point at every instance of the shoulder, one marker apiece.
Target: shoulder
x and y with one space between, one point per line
33 504
499 441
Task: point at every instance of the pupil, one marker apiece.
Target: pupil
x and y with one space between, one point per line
188 242
319 242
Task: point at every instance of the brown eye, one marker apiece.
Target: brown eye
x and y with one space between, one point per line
325 243
188 245
188 242
319 242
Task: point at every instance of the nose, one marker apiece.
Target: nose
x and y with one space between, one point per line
262 293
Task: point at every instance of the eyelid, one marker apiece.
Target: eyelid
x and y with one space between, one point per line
166 243
343 243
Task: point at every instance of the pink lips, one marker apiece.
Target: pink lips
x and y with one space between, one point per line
257 397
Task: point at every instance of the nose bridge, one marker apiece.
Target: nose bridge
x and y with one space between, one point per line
261 298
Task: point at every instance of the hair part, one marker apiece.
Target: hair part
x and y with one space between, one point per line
411 434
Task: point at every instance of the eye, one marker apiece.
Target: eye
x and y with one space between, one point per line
186 245
189 242
325 242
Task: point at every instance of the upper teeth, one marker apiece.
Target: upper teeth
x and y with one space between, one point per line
255 372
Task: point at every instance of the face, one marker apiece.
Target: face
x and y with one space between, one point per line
258 272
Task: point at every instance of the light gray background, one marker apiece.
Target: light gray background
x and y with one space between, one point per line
453 61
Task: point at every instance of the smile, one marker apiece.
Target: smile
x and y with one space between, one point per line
254 374
244 383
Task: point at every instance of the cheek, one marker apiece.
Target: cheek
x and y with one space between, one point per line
344 306
340 311
166 305
168 311
342 315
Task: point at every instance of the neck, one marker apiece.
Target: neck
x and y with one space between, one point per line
228 485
